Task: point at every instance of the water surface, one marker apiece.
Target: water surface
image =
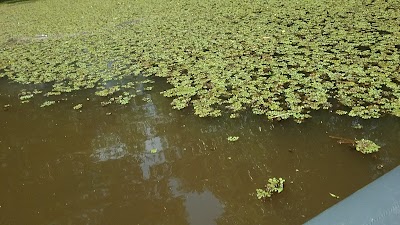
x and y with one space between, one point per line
63 166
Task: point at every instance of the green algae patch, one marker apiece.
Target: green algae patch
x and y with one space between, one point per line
281 59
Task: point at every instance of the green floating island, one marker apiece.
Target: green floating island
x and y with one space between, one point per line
281 59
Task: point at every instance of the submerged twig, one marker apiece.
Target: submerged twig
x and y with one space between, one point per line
342 140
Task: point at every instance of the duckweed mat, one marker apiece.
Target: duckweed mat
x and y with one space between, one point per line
282 59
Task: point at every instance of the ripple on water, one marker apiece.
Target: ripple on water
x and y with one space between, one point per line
113 152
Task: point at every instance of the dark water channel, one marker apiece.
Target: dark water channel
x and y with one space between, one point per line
61 166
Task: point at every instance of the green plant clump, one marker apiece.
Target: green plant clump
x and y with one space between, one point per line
77 107
233 138
47 103
357 126
280 59
274 185
366 146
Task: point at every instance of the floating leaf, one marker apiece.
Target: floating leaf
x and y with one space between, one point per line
233 138
77 107
47 103
334 196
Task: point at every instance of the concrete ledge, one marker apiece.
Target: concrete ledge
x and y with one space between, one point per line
378 203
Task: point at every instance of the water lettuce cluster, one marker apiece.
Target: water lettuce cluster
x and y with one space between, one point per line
274 185
366 146
281 59
232 138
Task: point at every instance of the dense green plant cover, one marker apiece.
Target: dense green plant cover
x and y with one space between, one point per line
274 185
281 59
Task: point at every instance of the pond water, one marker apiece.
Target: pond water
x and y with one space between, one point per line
146 163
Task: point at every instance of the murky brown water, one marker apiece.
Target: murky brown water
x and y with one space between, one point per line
60 166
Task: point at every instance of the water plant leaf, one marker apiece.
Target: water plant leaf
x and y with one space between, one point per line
77 107
47 103
357 126
366 146
232 138
333 195
274 185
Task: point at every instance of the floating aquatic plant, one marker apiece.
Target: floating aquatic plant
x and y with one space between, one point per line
25 97
334 196
47 103
146 99
77 107
233 138
108 91
281 59
357 126
366 146
274 185
124 98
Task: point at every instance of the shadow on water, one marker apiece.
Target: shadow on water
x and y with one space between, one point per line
148 164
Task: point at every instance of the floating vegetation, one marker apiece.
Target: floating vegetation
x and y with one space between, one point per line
233 138
51 93
274 185
124 98
153 151
77 107
47 103
234 115
25 97
108 91
364 146
105 103
357 126
6 107
146 99
281 59
334 196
